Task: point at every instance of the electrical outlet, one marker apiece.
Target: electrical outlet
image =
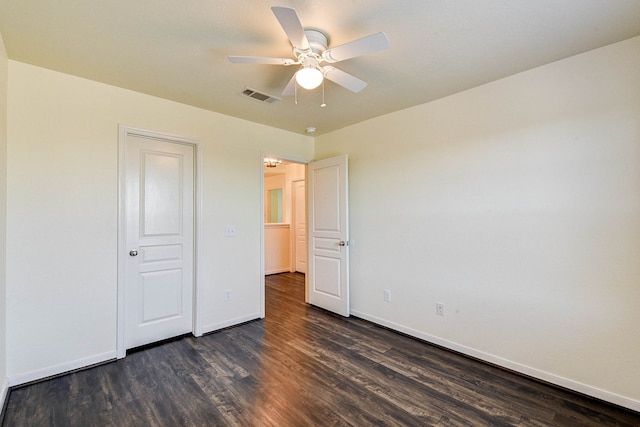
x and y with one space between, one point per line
387 295
227 294
230 231
440 309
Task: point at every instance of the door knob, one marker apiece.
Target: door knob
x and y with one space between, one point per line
133 253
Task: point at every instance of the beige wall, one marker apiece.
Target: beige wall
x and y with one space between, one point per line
517 205
294 172
4 72
62 213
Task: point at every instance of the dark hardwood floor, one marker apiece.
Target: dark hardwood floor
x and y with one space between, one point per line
301 366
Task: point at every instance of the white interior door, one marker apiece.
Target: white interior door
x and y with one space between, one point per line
328 277
159 221
300 226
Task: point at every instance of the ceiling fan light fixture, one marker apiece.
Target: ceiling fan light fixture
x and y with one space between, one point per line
309 77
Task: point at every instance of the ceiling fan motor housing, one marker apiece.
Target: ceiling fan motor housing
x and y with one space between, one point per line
318 43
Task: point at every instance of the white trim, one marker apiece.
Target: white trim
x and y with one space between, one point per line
4 391
120 319
261 280
293 258
277 271
123 132
61 368
198 251
508 364
231 322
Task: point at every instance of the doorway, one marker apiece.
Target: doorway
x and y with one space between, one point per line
284 217
326 231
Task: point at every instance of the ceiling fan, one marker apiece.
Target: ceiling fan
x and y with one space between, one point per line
310 51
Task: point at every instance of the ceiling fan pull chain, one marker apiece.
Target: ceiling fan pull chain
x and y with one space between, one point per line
323 103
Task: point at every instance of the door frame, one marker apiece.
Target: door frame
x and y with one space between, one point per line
290 159
122 251
292 241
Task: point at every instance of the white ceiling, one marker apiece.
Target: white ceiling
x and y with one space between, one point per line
178 49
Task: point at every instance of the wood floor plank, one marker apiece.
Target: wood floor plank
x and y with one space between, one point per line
302 366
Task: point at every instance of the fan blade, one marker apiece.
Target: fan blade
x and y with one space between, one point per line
260 60
290 88
346 80
292 27
364 46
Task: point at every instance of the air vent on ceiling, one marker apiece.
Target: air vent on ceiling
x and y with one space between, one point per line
262 97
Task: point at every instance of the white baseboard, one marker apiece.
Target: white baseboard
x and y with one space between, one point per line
490 358
62 368
508 364
278 271
232 322
3 392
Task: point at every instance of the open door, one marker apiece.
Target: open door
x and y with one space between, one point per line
328 269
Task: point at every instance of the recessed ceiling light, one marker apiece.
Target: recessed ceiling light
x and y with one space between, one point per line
310 129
